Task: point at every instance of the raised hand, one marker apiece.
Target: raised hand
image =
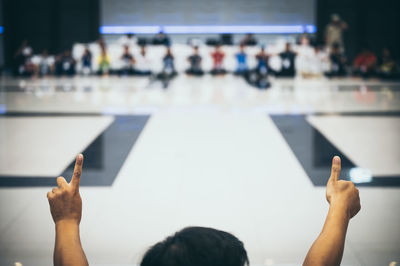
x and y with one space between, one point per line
340 193
65 200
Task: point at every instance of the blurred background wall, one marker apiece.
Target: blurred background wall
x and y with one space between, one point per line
49 24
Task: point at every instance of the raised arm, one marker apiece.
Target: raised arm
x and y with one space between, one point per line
66 209
344 201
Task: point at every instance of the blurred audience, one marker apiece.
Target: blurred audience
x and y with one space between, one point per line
168 70
127 61
262 61
305 60
218 61
249 40
338 61
320 65
127 40
161 39
143 63
241 59
287 57
65 64
45 64
387 68
86 61
23 64
195 63
365 63
103 61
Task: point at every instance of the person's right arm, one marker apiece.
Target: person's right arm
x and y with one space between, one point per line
66 209
344 201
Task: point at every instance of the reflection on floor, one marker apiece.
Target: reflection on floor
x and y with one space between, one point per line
205 151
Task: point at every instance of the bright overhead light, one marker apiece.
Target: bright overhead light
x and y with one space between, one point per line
360 175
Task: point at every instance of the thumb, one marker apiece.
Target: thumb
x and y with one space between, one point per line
336 167
76 177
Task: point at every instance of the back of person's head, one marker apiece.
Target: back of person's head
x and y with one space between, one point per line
197 246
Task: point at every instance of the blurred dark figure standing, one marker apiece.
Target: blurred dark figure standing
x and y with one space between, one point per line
337 62
241 58
249 40
161 39
218 61
86 62
334 32
195 63
287 57
388 68
365 63
128 62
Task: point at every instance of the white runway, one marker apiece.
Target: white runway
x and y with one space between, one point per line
209 155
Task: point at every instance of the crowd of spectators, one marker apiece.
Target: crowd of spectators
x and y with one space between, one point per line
302 59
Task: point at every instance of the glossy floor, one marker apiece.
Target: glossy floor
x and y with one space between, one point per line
205 151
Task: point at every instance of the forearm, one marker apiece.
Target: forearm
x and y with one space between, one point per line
68 249
329 246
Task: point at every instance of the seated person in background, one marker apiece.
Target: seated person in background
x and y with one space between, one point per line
128 39
161 39
365 63
21 58
262 61
305 58
320 62
218 60
195 246
104 61
338 61
46 64
287 58
195 63
143 63
65 64
249 40
258 77
86 62
128 62
241 58
388 68
168 71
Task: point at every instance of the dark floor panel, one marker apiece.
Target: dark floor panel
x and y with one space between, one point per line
315 152
104 157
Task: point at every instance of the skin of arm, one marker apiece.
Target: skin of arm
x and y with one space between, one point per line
66 209
344 201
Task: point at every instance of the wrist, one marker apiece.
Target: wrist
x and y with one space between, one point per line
67 224
339 209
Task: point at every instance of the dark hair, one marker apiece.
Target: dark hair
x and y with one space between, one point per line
197 246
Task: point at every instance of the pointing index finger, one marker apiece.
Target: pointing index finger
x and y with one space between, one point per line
76 177
336 167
